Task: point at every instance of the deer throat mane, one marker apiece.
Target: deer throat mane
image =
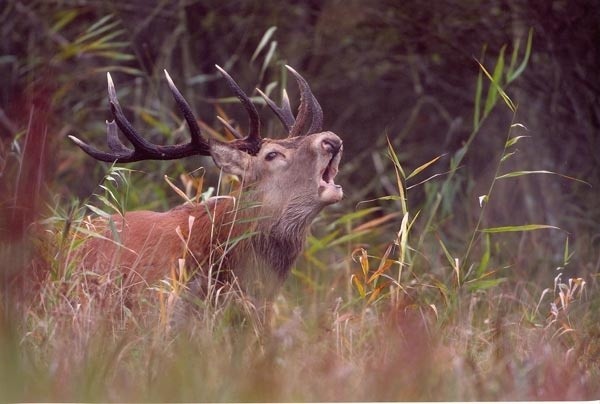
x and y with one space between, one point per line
280 238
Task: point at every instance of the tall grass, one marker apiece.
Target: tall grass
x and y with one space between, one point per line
388 302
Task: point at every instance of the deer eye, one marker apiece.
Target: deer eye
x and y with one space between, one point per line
271 155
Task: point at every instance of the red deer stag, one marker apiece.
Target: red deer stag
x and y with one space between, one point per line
286 183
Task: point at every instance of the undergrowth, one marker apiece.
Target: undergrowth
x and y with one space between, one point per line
385 304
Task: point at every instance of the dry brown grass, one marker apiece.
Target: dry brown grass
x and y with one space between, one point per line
80 339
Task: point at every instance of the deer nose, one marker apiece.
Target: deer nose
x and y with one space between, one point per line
332 145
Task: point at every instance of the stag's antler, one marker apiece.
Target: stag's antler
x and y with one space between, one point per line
252 142
310 115
309 120
144 150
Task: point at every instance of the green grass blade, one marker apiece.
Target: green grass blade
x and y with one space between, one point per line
451 260
400 175
525 61
263 42
520 228
513 140
98 211
478 91
96 32
567 256
107 203
382 198
99 23
424 166
268 57
394 157
513 57
485 258
348 237
496 79
504 96
457 158
484 284
532 172
352 216
506 156
64 19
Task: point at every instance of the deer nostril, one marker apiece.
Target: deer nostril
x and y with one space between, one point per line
331 146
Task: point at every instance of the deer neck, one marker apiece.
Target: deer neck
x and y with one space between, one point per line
279 234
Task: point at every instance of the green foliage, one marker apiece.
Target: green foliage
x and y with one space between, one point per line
434 269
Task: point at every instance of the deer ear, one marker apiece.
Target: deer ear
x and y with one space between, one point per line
228 158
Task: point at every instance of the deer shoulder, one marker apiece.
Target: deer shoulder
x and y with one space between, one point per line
146 246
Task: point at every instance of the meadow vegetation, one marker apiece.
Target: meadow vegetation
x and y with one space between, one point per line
460 266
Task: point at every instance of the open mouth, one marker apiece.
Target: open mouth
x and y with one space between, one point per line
329 172
329 191
331 169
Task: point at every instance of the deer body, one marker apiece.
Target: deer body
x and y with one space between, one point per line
252 238
148 245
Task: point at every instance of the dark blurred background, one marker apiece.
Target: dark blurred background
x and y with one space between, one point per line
406 70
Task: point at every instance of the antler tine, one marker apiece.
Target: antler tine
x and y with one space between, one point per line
113 141
120 152
310 115
138 142
284 113
100 155
250 143
188 115
230 128
144 150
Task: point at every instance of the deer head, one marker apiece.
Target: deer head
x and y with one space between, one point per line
297 169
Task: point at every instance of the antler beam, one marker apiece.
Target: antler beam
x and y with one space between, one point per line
251 143
142 149
310 115
309 120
